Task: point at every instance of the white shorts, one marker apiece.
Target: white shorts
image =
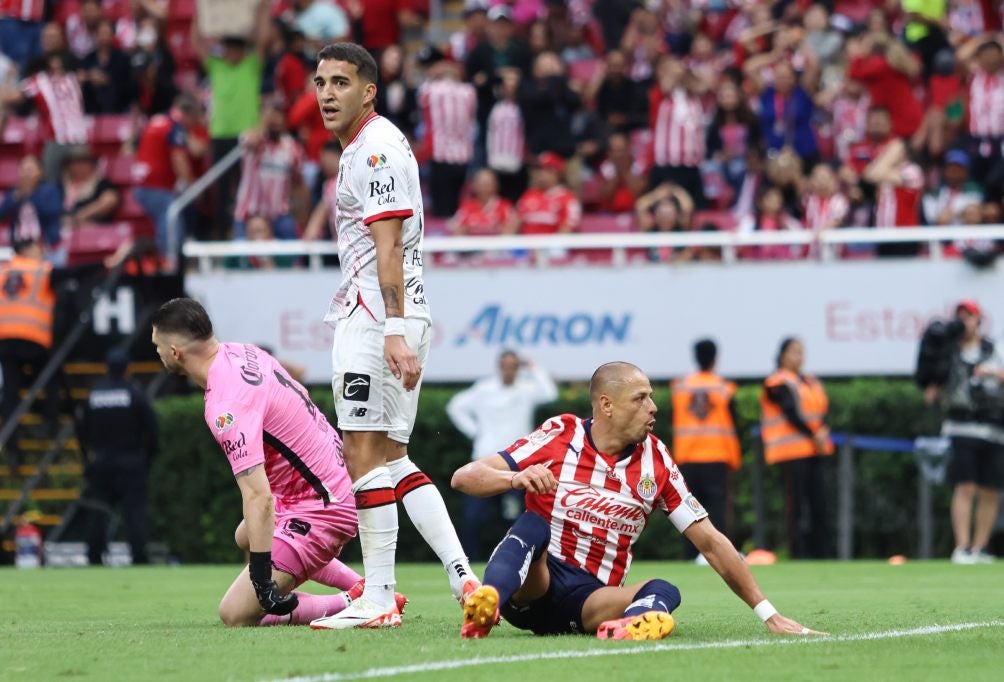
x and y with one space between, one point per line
367 396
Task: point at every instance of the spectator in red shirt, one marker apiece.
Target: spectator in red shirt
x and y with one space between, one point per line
887 68
382 21
899 182
548 207
624 178
485 212
163 162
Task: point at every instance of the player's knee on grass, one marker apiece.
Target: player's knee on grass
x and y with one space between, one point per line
237 612
655 595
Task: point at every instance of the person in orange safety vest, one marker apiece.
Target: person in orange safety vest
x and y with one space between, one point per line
26 309
795 436
705 441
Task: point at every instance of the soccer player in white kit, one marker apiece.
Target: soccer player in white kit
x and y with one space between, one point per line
382 332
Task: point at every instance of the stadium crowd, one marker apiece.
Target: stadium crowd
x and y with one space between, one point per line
535 117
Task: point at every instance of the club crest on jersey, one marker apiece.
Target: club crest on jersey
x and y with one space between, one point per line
647 487
225 422
376 160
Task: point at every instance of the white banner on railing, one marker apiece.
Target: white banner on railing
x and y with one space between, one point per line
856 318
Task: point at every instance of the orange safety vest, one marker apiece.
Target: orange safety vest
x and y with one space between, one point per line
703 431
782 441
26 301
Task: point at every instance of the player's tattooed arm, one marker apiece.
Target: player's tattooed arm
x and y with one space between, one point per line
392 300
248 472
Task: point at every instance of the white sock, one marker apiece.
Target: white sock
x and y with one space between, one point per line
426 509
377 509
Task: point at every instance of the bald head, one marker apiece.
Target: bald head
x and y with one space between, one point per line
611 379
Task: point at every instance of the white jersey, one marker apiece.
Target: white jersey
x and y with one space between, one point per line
377 179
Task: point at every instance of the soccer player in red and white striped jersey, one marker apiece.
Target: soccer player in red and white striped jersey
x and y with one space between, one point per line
591 486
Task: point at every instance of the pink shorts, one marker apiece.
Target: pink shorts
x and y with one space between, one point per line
308 537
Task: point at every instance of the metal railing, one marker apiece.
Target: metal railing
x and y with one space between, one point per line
847 447
191 193
547 248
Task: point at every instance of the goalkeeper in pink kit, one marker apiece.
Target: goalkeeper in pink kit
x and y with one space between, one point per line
299 510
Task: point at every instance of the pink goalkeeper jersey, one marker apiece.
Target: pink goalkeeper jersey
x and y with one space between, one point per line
259 415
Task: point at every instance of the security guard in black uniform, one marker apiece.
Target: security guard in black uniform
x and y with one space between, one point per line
118 435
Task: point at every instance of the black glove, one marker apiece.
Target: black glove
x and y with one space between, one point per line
269 596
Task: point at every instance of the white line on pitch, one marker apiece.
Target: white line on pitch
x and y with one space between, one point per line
434 666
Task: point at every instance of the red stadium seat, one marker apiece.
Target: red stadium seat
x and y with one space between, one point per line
179 39
129 209
64 10
723 220
8 173
110 131
181 10
91 243
121 170
606 222
19 136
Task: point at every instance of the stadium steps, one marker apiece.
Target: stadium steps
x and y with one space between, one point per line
63 482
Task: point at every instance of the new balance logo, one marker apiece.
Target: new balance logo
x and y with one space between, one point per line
357 412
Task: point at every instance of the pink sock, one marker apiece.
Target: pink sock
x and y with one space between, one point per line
336 574
311 607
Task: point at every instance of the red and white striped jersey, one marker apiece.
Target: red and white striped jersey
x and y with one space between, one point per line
506 138
986 104
850 118
25 10
61 104
899 205
603 501
822 213
677 122
449 109
266 178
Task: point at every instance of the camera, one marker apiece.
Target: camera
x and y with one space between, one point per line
937 345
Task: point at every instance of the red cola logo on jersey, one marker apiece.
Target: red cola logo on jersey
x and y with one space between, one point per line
384 191
591 499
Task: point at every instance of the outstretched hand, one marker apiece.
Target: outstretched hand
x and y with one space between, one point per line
780 625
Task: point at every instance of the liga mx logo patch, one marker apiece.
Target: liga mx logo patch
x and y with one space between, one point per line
225 422
647 487
376 160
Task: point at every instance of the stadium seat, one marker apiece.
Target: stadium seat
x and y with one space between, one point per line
179 39
18 135
91 243
8 173
181 10
110 131
120 170
606 222
723 220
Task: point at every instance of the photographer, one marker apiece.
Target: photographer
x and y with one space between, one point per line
966 371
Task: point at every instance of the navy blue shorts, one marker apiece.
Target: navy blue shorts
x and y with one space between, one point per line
559 612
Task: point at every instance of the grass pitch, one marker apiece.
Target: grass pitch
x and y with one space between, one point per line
161 624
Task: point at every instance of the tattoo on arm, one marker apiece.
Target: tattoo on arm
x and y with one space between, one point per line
248 472
392 300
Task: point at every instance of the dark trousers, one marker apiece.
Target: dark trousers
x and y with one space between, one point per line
512 185
15 354
226 188
805 496
687 177
710 485
446 180
987 154
111 485
482 514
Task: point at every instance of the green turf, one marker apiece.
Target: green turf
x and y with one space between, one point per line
160 623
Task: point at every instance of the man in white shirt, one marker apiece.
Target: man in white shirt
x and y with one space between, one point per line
493 413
